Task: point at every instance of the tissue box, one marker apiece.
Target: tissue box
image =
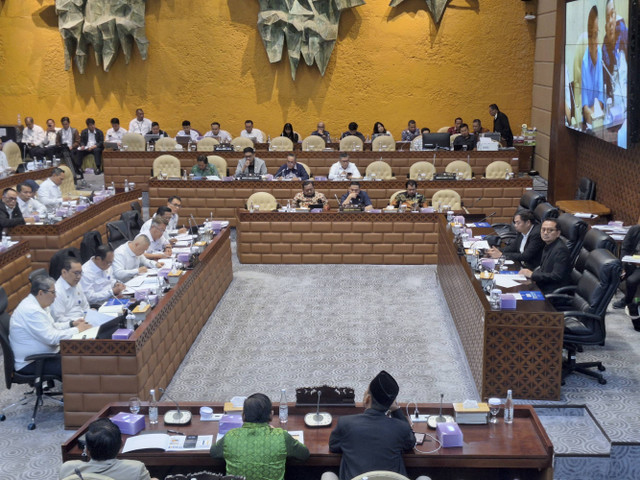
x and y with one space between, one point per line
140 312
121 334
141 294
229 422
507 301
128 423
449 434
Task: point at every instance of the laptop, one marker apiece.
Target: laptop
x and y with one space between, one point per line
111 145
103 332
183 140
152 137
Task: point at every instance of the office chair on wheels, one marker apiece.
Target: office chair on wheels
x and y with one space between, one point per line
35 380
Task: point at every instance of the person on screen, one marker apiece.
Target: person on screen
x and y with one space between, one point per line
614 47
592 78
256 450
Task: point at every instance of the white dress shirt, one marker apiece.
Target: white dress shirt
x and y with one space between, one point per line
192 133
146 229
4 163
31 208
70 303
142 127
66 137
223 136
156 246
113 136
126 263
32 330
525 236
255 134
49 193
173 222
49 138
96 283
336 171
33 135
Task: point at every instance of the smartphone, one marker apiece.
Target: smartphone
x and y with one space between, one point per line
419 438
190 441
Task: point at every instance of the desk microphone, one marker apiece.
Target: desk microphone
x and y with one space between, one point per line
339 204
175 417
434 420
318 419
486 218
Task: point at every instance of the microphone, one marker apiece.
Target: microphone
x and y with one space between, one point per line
476 201
318 419
486 218
175 417
337 200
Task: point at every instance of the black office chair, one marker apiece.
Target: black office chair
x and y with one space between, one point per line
593 239
55 264
133 221
117 233
545 210
137 207
11 376
529 201
90 242
572 232
584 317
586 189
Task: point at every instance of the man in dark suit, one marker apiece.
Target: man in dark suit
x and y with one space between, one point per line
372 440
527 247
10 214
555 266
91 141
68 139
501 124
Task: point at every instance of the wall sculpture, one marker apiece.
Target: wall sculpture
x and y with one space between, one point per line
310 28
436 8
105 24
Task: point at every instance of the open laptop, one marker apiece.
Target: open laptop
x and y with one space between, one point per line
152 137
111 145
183 140
103 332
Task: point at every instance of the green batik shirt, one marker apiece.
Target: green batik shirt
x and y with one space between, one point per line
257 451
209 170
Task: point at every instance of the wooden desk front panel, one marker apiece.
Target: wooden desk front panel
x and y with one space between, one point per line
15 267
14 180
45 240
200 198
370 238
137 166
97 372
518 349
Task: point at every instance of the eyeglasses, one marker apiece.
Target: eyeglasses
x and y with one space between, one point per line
53 292
177 205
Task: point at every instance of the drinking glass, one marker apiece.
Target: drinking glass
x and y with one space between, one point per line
134 405
494 409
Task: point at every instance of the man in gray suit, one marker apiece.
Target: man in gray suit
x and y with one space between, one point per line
250 164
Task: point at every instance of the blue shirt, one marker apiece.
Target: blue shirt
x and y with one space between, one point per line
592 81
299 171
361 199
611 56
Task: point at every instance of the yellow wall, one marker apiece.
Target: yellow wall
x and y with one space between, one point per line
206 61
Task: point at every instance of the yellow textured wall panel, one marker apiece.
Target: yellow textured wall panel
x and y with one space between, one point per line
207 62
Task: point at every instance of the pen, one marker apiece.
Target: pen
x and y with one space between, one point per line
175 431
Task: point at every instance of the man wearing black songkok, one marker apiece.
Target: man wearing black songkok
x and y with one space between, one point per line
372 440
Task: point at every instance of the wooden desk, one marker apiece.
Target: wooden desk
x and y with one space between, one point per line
200 198
370 238
97 372
583 206
521 450
137 166
15 179
517 349
45 240
15 267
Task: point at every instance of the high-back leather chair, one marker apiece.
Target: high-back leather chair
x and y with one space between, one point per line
447 197
586 189
419 168
383 143
528 201
240 143
313 143
134 142
281 144
134 222
306 168
380 169
497 170
460 166
11 376
545 210
67 187
165 144
90 242
167 164
351 143
220 163
117 233
13 153
572 232
207 144
265 200
55 264
585 310
593 240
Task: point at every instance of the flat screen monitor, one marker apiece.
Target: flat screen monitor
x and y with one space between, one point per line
597 68
431 141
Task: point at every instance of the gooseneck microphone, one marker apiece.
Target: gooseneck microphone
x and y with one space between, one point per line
177 416
486 218
318 419
337 200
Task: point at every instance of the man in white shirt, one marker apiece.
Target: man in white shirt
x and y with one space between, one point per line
343 169
48 148
221 135
175 204
252 133
187 131
32 329
32 135
164 212
71 304
49 192
4 163
29 206
140 124
116 132
129 261
159 246
97 281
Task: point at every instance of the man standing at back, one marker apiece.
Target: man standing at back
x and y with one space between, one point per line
501 124
372 440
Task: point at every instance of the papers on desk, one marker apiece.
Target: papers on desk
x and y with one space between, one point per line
631 258
96 318
585 215
182 244
112 310
477 244
142 282
185 237
508 280
162 441
478 225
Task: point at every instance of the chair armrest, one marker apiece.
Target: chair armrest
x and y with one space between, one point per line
38 357
560 301
565 290
579 314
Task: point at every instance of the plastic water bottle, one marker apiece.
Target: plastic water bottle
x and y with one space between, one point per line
126 185
508 408
283 409
153 408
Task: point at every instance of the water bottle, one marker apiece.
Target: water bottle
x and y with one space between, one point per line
506 174
153 407
288 205
283 409
112 189
126 185
508 408
19 119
